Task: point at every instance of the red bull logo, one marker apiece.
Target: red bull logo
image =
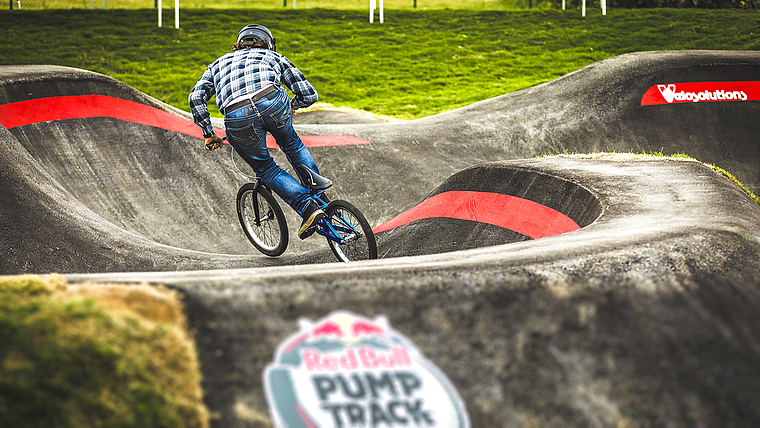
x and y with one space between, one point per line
354 358
696 92
346 371
358 327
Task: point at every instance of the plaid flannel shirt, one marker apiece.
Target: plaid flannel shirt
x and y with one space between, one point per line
243 72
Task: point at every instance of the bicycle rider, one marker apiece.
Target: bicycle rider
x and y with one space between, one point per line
247 84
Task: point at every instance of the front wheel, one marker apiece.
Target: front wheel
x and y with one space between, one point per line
262 219
348 233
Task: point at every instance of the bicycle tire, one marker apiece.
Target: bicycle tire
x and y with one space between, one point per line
270 236
347 220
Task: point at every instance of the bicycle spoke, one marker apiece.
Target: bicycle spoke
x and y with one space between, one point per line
269 235
351 244
266 232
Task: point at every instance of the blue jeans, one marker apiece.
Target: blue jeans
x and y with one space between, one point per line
246 130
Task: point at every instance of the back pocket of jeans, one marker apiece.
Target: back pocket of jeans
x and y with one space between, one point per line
246 136
281 116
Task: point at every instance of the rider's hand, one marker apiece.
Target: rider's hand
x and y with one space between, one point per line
213 142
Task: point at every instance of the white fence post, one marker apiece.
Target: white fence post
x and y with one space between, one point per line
372 7
176 13
160 17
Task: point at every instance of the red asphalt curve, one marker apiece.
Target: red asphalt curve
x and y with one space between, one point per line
520 215
510 212
91 106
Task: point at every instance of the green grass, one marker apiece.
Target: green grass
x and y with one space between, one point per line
416 64
737 182
278 4
69 359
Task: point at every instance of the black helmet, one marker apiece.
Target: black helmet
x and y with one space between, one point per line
258 33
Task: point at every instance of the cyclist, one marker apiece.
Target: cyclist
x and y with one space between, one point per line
247 84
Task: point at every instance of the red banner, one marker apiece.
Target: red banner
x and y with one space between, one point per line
698 92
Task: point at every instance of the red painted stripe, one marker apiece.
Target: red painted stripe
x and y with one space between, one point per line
699 92
89 106
510 212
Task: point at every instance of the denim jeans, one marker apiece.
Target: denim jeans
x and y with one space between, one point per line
246 130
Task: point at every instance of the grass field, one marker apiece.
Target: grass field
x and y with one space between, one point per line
416 64
277 4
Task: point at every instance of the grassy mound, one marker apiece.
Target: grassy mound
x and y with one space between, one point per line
95 356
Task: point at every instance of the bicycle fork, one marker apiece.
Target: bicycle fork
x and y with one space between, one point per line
256 212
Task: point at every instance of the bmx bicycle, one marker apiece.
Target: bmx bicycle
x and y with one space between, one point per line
347 231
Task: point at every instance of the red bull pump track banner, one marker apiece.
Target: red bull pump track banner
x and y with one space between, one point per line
345 370
698 92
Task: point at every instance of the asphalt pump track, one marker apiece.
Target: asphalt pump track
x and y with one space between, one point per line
557 291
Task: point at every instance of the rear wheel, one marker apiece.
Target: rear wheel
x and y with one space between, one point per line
357 242
262 219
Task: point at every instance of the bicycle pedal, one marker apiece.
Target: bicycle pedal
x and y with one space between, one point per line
308 232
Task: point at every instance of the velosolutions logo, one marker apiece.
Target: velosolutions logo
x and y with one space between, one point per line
696 92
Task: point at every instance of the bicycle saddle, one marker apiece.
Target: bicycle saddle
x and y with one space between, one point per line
313 180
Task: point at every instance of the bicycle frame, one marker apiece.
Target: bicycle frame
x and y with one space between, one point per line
324 228
345 229
328 229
